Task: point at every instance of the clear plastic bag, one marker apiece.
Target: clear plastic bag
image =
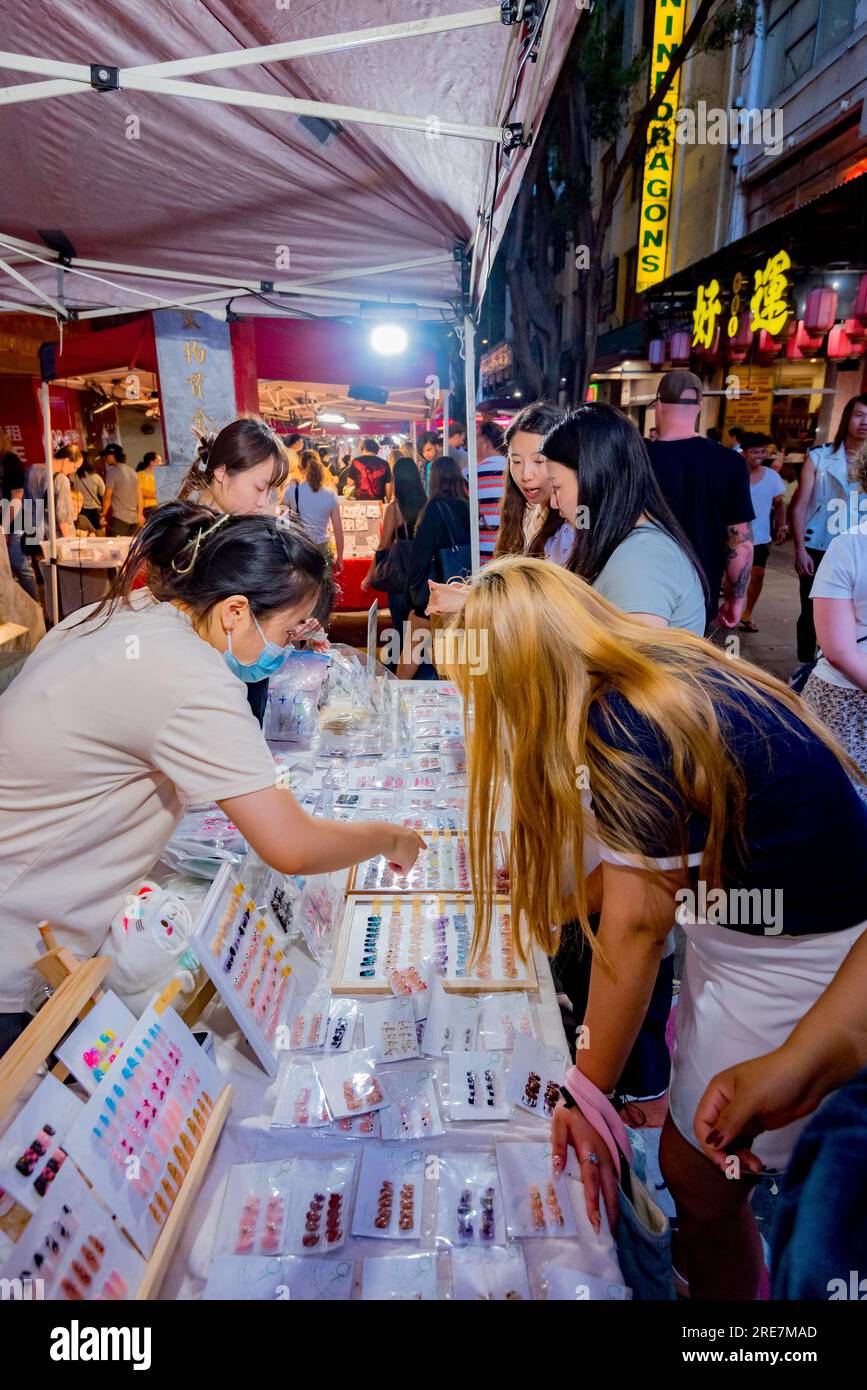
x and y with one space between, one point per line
535 1076
505 1018
400 1278
413 1111
203 840
351 1083
293 697
452 1022
300 1098
470 1209
538 1203
477 1086
389 1029
390 1193
499 1274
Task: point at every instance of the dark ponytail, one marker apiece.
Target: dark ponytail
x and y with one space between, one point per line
243 444
197 556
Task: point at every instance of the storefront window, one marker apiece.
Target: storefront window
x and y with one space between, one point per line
798 34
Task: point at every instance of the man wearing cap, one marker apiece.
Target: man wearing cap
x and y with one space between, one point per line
121 494
708 488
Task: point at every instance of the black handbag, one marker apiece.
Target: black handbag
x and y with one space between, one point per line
391 566
456 561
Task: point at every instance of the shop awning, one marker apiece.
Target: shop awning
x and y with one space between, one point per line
309 157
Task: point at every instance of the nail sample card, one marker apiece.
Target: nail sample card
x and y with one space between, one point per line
75 1248
242 949
404 1278
536 1074
452 1022
537 1203
570 1285
389 1029
413 1111
470 1208
505 1018
290 1279
300 1099
136 1136
33 1147
390 1194
352 1085
441 867
96 1043
477 1086
307 1022
499 1274
294 1206
343 1016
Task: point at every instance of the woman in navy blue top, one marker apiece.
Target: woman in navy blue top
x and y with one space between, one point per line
691 787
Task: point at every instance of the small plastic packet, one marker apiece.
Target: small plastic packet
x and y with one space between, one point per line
570 1285
320 1204
469 1200
452 1022
306 1026
412 979
378 777
424 762
390 1193
300 1098
255 1208
477 1086
435 801
343 1017
365 1126
535 1076
400 1278
538 1202
413 1111
389 1029
351 1082
505 1018
499 1274
258 1279
319 909
202 841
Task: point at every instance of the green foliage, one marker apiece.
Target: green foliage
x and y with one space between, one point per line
732 19
607 80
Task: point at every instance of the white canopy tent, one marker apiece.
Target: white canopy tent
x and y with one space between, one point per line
288 159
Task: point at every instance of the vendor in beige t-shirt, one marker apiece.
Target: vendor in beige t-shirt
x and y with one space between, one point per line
130 712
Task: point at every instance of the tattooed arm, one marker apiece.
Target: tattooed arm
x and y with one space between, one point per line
739 564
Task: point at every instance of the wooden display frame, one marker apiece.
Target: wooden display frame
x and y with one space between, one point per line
354 889
344 983
77 986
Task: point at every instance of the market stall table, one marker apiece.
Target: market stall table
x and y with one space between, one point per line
85 569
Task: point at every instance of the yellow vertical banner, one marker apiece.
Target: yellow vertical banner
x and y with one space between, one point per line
658 175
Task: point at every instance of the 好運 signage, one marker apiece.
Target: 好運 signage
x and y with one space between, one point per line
658 174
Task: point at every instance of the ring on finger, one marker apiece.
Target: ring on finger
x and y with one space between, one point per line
590 1158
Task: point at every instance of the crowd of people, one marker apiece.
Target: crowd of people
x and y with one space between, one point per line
649 773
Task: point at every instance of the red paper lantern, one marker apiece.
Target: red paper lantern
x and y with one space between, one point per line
805 341
856 329
657 352
793 352
820 311
714 345
860 306
743 339
767 347
839 345
681 349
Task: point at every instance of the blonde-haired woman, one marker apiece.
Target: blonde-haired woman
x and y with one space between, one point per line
689 786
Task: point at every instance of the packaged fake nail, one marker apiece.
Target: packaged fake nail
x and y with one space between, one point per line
319 1213
424 762
413 1110
300 1100
537 1202
390 1193
535 1076
402 1278
412 980
504 1019
389 1029
567 1284
452 1022
255 1209
365 1126
477 1086
378 777
499 1274
343 1017
470 1208
306 1027
291 1278
351 1083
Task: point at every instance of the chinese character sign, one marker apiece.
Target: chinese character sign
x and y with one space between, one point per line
197 387
658 173
769 303
707 311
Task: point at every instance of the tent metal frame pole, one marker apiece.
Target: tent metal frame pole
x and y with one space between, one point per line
52 527
34 289
11 306
472 455
446 406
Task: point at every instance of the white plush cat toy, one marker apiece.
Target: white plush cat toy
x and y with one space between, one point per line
148 940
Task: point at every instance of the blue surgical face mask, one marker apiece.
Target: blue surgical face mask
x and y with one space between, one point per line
270 660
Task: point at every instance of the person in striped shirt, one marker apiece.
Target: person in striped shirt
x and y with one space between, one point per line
492 466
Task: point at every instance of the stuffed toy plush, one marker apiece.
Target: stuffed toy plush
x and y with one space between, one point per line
148 940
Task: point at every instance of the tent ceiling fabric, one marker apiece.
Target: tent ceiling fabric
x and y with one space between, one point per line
213 189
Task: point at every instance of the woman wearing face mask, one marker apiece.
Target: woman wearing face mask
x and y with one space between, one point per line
528 524
135 710
241 470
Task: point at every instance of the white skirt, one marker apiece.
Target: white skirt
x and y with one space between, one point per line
740 997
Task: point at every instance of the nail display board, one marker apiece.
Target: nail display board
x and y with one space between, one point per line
241 947
442 867
414 929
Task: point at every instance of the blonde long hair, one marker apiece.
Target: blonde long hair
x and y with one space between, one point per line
553 650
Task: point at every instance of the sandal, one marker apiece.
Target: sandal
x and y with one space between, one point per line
745 626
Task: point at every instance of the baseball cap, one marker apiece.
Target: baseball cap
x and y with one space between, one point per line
679 388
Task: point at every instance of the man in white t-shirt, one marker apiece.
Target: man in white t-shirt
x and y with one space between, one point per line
767 491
